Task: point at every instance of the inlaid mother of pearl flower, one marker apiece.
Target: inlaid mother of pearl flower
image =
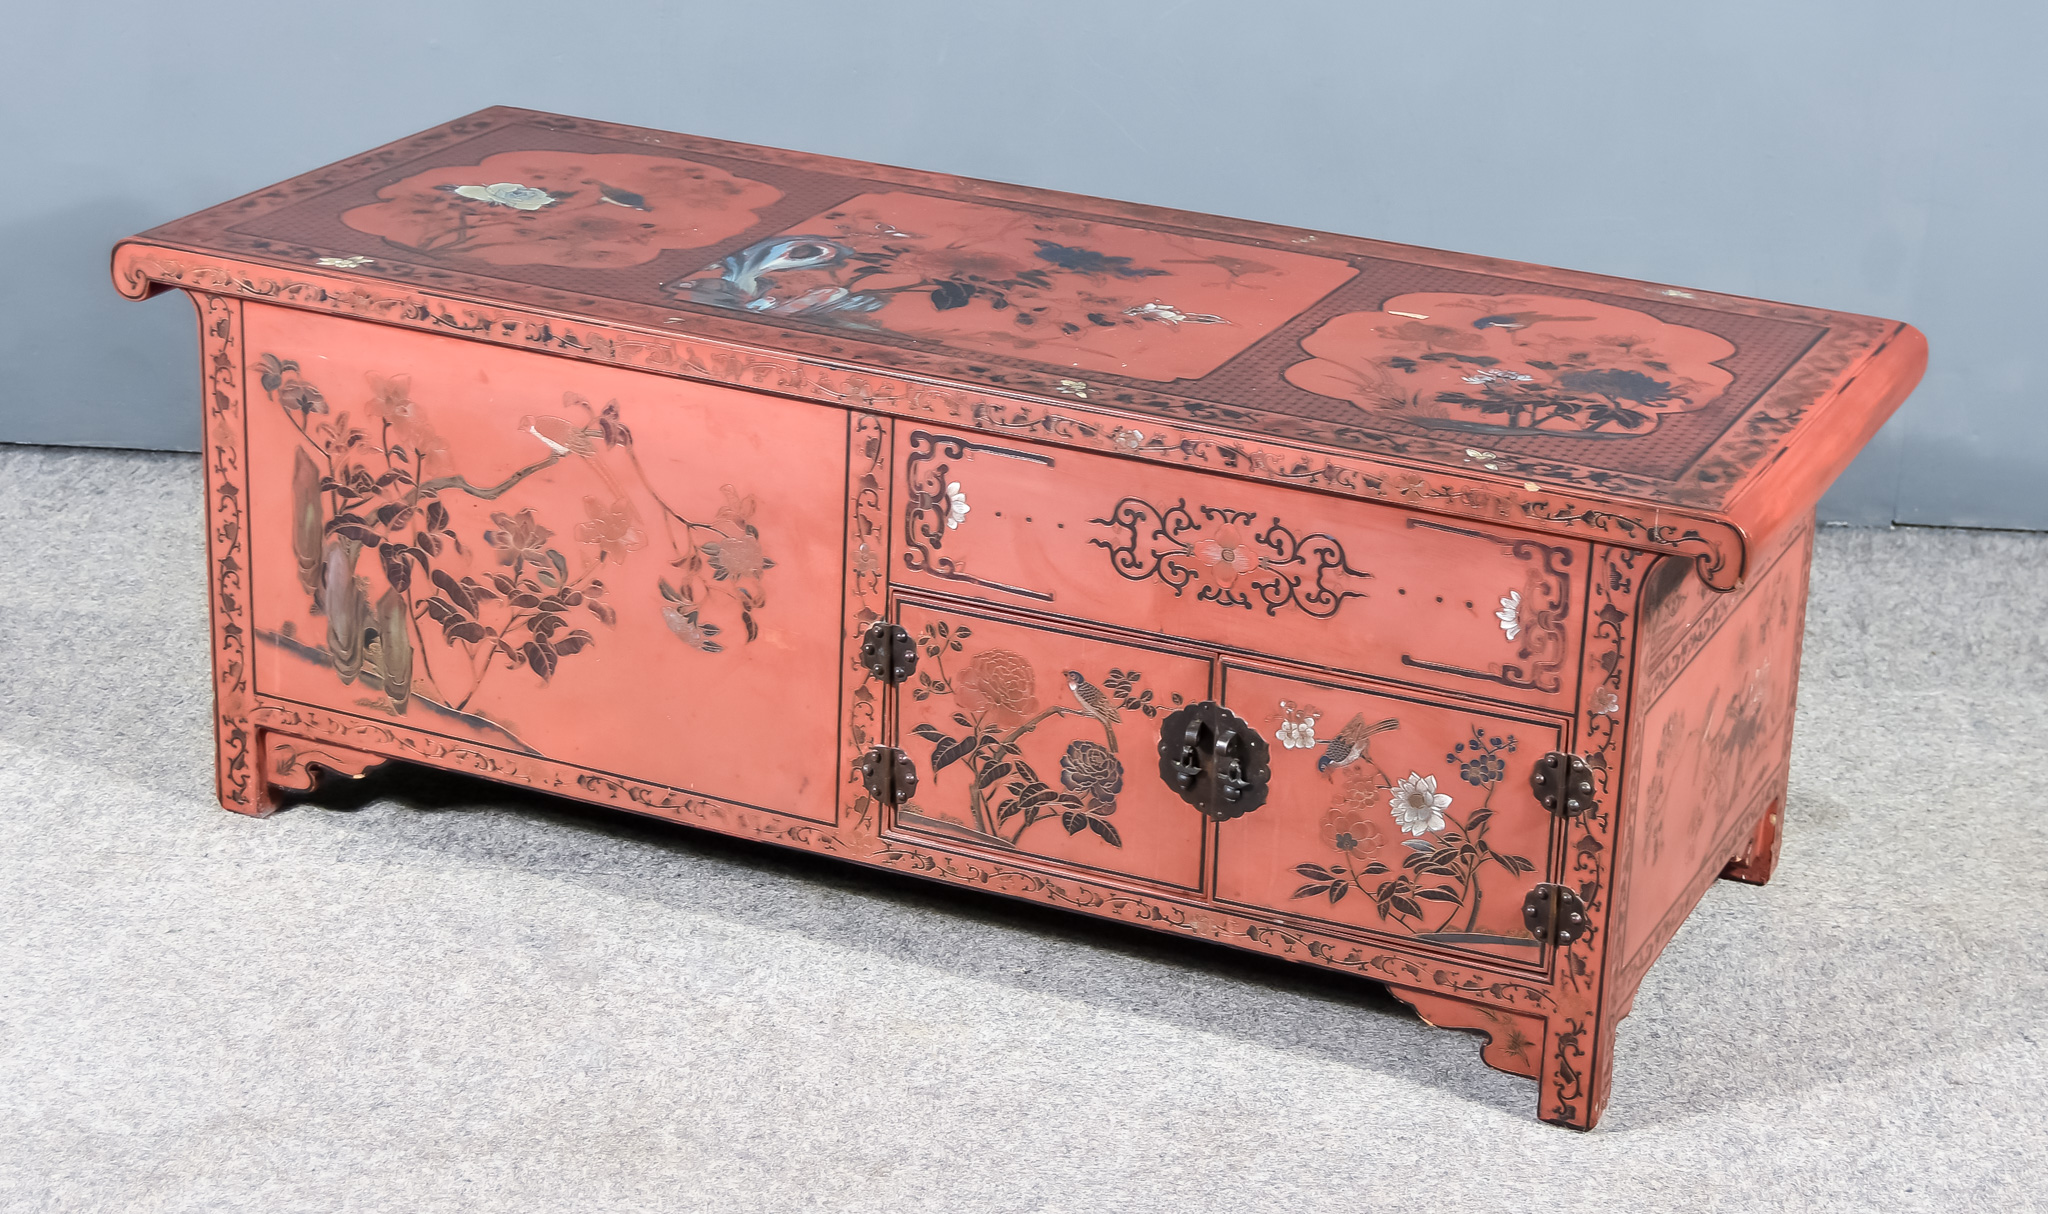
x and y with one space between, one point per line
1297 735
956 505
1510 614
507 194
1418 807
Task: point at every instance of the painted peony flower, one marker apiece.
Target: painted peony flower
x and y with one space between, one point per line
1348 830
737 557
518 539
956 505
1089 769
1417 806
999 683
612 530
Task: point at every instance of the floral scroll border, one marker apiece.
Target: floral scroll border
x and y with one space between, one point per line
1578 1052
239 774
1716 543
869 439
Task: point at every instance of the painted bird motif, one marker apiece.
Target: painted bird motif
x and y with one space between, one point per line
1519 320
1094 701
746 280
745 277
1352 743
566 438
622 198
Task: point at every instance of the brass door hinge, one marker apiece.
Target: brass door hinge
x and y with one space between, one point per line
1554 914
888 775
1563 784
888 652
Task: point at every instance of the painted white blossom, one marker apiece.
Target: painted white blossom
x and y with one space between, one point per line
1130 440
507 194
1297 735
956 505
1510 614
1605 702
1418 807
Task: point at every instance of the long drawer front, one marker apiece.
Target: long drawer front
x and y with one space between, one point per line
1336 583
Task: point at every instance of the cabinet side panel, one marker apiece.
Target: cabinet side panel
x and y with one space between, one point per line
1716 730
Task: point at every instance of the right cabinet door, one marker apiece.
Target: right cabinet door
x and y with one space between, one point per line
1400 816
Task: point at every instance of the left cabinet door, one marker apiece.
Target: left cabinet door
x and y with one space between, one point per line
637 575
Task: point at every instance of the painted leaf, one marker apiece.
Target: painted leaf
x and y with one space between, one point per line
951 752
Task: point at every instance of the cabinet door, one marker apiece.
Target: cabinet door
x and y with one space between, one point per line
1037 742
634 574
1400 816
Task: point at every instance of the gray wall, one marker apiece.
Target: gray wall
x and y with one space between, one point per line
1870 156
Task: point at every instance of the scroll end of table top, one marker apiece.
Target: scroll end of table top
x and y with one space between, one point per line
1792 482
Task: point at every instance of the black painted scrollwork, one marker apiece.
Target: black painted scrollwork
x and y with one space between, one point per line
926 506
1238 562
1543 614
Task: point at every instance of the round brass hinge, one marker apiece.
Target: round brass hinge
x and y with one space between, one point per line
888 775
1563 784
888 652
1554 914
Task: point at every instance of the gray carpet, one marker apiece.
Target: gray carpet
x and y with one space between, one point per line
455 997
